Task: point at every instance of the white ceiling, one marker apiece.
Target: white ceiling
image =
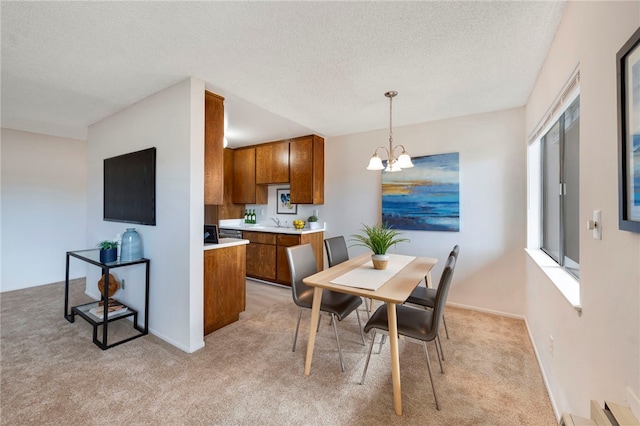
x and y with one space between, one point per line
285 68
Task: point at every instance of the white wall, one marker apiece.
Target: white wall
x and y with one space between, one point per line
489 274
44 197
172 121
596 356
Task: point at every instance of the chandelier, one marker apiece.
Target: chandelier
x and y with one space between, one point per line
393 164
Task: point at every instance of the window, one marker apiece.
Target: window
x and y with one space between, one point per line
559 196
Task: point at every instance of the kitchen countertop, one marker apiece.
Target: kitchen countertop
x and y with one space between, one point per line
225 242
272 229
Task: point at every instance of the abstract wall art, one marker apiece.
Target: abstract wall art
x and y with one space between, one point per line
425 197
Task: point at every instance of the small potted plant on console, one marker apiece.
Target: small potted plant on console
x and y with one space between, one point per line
378 239
108 251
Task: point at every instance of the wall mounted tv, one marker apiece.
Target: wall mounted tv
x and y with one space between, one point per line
130 187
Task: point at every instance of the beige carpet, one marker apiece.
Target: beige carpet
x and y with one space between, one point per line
53 374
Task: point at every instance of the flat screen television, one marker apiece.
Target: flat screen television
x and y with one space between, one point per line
130 187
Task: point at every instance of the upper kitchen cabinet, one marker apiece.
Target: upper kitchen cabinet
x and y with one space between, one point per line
272 163
306 170
245 190
213 148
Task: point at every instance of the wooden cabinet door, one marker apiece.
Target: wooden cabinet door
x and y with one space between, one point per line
213 148
261 255
306 170
224 286
272 163
229 210
283 273
244 176
261 261
316 239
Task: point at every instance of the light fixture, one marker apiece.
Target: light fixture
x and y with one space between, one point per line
393 164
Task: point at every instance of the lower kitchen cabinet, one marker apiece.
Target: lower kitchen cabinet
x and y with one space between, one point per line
267 255
224 286
261 255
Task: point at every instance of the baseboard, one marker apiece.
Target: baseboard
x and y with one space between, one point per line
544 376
486 311
175 343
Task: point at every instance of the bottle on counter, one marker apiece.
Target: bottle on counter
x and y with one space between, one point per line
246 216
253 216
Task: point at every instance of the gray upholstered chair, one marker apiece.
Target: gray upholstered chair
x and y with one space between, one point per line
302 263
426 297
337 252
418 324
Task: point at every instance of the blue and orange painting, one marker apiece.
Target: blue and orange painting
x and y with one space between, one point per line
425 197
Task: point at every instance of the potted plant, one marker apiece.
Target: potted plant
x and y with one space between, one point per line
108 251
378 239
313 222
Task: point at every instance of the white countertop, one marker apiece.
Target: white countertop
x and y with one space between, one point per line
260 227
225 242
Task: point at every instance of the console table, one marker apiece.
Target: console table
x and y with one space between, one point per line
92 256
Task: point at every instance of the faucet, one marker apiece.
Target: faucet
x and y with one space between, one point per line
277 221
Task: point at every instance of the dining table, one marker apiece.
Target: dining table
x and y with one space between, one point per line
392 286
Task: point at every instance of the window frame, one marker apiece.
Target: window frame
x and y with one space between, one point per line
565 282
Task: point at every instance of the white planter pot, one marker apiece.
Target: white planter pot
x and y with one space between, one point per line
380 261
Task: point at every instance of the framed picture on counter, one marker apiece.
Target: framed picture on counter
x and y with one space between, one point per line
283 202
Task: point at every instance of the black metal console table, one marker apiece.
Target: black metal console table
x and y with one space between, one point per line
92 256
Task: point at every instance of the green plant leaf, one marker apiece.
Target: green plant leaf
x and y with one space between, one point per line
378 238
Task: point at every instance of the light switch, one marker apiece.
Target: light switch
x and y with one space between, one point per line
597 225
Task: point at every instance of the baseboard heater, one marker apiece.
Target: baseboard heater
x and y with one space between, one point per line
611 415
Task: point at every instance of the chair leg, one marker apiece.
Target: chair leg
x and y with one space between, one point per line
360 327
335 329
366 308
382 340
439 360
446 330
437 348
366 364
295 336
431 376
440 344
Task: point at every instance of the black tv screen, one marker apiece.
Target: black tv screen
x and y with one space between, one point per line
130 187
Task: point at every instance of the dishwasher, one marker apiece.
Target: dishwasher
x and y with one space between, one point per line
230 233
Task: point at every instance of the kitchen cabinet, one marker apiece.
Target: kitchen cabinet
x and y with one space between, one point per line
245 190
226 210
261 255
213 148
267 255
224 286
306 170
272 163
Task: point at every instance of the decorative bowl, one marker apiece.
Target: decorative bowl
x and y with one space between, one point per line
299 224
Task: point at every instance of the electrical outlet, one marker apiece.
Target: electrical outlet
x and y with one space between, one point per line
551 344
122 284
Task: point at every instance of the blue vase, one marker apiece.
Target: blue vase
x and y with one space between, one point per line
131 248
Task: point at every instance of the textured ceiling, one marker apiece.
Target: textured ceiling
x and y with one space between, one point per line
285 68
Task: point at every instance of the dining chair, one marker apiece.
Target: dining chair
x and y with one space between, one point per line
426 297
302 263
337 252
418 324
